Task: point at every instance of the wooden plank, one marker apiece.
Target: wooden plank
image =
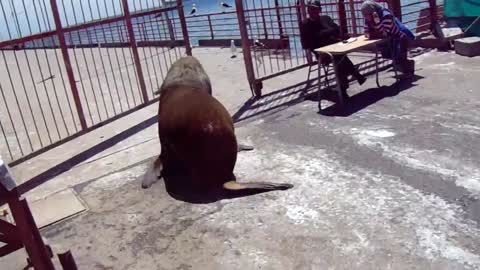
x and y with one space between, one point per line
343 48
9 238
7 249
7 228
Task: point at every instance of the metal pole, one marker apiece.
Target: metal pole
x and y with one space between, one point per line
183 23
279 19
342 15
303 16
67 261
247 55
264 24
133 44
433 12
354 17
68 64
211 28
28 232
396 7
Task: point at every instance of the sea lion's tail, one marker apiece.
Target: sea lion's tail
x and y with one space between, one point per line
253 188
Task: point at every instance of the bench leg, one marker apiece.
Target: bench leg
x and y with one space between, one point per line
376 69
320 92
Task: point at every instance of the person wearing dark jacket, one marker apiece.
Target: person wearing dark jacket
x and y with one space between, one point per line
319 31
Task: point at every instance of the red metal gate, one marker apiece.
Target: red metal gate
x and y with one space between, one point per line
67 67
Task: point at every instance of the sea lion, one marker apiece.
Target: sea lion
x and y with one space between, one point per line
188 71
197 134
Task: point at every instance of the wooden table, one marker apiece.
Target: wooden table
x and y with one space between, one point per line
341 48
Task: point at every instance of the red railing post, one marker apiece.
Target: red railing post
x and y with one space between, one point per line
211 27
183 23
68 64
354 17
342 16
29 234
433 12
279 18
264 22
396 7
302 14
170 26
247 54
133 45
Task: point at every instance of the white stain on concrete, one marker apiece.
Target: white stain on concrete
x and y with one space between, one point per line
463 174
381 133
462 127
259 122
371 136
444 65
299 214
436 245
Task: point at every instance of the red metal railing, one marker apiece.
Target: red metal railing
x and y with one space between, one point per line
71 67
280 19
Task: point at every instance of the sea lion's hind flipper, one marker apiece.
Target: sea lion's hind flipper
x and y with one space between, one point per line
153 173
255 186
244 147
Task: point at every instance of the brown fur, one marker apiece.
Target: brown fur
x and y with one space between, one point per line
187 71
197 134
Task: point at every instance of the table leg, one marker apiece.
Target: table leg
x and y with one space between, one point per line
337 78
320 92
376 68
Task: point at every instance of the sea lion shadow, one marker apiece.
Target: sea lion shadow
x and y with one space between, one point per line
176 187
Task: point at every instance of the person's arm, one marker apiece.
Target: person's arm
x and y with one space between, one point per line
389 28
366 29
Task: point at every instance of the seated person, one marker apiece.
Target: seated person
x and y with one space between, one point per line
380 23
319 31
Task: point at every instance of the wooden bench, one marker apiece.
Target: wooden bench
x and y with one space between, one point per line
24 233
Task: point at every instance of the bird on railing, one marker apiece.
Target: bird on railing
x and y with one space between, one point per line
194 9
224 5
257 43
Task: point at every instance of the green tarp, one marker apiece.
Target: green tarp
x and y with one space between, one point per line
462 8
463 13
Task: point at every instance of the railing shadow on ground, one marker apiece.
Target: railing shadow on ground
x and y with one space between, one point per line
368 97
291 95
283 98
70 163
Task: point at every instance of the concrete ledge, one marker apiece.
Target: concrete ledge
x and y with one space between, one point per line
469 46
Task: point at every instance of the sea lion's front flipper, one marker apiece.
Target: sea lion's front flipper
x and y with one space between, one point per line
153 173
244 147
